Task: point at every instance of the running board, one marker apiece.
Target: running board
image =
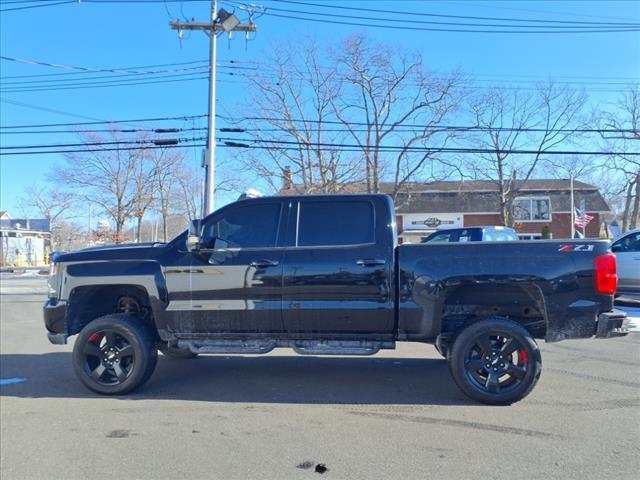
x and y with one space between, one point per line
301 347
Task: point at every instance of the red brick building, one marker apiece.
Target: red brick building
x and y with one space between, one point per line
428 207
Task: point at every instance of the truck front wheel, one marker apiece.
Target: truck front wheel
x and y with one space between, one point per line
495 361
114 354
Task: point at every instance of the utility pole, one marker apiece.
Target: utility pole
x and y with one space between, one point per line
89 234
573 211
221 21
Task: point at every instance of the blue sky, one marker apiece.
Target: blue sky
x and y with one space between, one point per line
117 35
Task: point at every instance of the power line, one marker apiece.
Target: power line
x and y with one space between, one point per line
467 17
101 122
107 130
132 72
100 78
234 64
237 143
450 30
400 126
435 22
158 142
421 126
48 152
101 85
37 6
45 109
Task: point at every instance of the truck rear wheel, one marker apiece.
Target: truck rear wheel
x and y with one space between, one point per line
495 361
114 354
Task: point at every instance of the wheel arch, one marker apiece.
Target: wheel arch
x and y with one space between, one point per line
522 303
88 302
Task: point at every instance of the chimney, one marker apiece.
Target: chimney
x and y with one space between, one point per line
287 179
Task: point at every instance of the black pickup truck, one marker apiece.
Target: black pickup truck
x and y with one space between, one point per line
325 275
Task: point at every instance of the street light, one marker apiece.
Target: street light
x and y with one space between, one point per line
228 21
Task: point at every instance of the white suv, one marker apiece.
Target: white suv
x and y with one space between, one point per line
627 250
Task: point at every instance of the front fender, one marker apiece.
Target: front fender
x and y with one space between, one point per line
144 274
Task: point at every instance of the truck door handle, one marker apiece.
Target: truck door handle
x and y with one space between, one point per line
264 263
370 262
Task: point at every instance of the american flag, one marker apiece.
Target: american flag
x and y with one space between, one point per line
582 218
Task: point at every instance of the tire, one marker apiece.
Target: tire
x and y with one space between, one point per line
177 353
114 354
495 361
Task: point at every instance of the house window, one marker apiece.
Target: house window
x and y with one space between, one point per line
532 209
531 236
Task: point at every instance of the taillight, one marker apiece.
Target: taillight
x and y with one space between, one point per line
606 278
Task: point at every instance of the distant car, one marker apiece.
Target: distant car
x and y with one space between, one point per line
627 250
473 234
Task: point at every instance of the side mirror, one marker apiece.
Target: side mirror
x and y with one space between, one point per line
194 236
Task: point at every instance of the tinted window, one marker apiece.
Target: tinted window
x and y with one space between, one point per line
248 226
438 237
335 223
630 243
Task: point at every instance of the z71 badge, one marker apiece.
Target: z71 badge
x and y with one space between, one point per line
576 248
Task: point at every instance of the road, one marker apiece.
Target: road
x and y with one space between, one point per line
395 415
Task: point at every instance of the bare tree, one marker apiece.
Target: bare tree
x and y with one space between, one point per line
106 178
390 99
144 179
49 202
188 192
507 120
292 122
626 119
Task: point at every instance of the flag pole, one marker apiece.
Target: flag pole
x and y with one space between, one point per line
573 212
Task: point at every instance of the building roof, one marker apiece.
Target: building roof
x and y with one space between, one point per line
480 196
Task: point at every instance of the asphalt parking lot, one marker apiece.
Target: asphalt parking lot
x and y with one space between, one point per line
279 416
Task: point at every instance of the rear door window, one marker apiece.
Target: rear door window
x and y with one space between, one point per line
441 237
335 223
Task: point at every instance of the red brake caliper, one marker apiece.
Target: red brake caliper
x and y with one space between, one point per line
522 357
95 338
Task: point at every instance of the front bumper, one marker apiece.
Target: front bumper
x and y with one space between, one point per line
612 324
54 312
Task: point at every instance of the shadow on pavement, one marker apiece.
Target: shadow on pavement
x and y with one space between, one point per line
271 379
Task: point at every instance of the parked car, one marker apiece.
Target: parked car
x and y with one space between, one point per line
325 275
627 250
472 234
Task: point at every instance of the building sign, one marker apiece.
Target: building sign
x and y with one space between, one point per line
433 222
430 222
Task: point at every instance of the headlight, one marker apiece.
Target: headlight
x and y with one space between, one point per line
53 269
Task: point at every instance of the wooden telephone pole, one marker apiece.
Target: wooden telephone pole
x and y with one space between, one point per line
221 21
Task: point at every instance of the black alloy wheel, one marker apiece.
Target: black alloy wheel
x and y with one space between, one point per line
495 361
114 354
109 357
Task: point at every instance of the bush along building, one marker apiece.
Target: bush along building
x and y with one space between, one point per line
541 208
